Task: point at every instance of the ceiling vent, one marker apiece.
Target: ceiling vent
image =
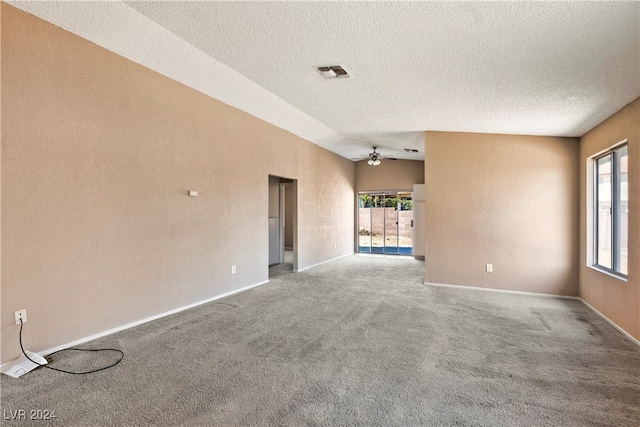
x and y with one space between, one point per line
411 150
333 72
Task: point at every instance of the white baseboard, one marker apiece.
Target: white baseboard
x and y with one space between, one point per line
323 262
140 322
501 291
625 333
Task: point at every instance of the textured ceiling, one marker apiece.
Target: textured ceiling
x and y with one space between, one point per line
534 68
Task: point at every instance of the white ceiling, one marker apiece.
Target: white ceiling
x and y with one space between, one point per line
534 68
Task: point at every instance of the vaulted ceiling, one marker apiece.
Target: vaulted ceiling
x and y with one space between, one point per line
535 68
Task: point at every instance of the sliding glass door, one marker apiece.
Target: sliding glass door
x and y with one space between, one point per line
384 223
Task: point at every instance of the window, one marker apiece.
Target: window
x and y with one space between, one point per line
611 205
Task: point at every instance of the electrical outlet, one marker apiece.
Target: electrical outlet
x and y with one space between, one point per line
233 269
489 268
335 246
21 315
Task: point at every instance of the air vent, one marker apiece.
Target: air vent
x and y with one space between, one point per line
411 150
333 72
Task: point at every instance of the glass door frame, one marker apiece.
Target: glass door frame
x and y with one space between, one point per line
362 230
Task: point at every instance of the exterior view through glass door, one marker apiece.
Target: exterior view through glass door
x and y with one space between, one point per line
384 222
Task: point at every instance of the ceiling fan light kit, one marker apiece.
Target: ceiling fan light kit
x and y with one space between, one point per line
374 158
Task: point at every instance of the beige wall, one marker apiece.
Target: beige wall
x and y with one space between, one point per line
505 200
616 299
97 156
389 175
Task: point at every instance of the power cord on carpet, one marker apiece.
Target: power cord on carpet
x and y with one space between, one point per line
74 349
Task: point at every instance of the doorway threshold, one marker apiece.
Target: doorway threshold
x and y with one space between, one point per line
384 255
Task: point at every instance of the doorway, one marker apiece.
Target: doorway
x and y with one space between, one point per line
385 222
283 225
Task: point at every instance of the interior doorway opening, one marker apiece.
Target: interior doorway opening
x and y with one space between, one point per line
385 222
283 225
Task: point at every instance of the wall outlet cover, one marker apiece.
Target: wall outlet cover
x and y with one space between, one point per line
21 314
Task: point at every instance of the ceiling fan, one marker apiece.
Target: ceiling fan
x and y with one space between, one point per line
374 158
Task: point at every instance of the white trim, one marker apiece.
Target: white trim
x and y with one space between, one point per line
323 262
608 273
625 333
502 291
140 322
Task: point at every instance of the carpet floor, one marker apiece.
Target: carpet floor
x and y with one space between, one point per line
358 341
